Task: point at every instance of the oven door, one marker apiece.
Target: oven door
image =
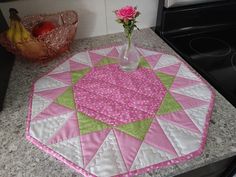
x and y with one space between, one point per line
175 3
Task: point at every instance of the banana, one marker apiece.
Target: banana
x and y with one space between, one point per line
17 32
10 31
24 33
17 37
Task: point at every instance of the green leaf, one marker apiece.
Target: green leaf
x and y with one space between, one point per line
137 27
137 14
118 21
132 23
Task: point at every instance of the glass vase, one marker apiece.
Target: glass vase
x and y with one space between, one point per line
129 56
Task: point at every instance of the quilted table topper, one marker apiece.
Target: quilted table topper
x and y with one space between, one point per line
102 121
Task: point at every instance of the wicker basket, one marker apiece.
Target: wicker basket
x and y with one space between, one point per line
49 45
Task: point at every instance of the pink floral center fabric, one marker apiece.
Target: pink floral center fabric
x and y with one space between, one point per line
115 97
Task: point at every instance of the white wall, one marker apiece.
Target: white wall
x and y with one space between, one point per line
96 17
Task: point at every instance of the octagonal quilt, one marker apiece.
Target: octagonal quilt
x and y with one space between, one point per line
102 121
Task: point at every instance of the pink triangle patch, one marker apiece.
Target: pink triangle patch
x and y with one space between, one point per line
64 77
157 138
171 70
74 66
113 53
52 94
188 102
95 58
180 119
129 147
69 130
51 111
153 59
90 143
181 82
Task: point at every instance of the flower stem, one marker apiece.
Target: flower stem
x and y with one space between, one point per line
128 34
129 41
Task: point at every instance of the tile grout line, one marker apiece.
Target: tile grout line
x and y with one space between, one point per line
105 3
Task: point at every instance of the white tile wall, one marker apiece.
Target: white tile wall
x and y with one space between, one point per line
96 17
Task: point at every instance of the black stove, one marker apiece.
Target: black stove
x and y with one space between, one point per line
205 36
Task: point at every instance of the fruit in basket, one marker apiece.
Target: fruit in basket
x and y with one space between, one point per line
42 28
26 35
32 49
10 31
16 32
22 39
44 47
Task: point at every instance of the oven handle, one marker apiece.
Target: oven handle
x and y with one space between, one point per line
178 3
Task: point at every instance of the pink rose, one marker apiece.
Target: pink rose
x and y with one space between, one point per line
126 13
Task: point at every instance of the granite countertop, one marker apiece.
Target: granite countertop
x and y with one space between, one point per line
20 158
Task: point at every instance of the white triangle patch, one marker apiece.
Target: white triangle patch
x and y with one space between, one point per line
200 91
146 53
43 130
70 149
166 60
198 116
108 160
185 72
103 52
183 140
48 83
38 105
83 58
149 155
64 67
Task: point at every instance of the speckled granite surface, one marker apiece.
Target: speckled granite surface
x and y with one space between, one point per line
22 159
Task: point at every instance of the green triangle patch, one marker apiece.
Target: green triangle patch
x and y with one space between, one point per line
143 63
136 129
76 75
166 79
66 99
168 105
89 125
106 61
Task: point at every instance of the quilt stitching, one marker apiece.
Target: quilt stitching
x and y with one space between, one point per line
181 101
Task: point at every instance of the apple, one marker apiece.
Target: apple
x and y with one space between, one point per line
42 28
